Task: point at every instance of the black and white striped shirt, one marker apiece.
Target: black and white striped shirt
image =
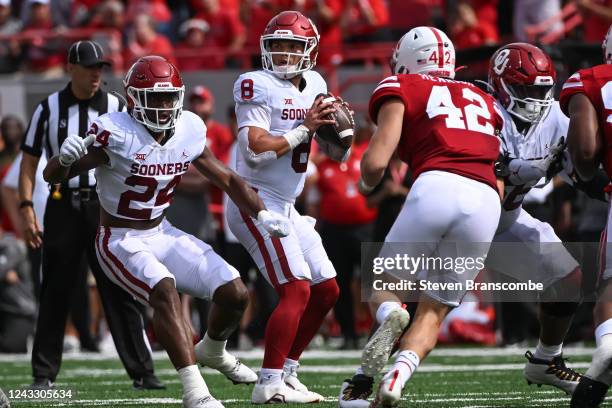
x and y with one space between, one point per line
62 114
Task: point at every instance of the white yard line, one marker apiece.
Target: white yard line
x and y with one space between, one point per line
321 354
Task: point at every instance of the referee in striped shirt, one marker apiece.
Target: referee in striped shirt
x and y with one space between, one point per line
70 225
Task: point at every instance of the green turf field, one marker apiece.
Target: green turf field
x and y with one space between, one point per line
465 377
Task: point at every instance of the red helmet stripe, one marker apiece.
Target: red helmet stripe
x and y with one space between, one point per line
440 47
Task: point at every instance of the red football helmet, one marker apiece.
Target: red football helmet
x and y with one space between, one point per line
290 25
522 77
154 91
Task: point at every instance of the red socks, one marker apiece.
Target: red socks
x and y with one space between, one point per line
283 324
323 297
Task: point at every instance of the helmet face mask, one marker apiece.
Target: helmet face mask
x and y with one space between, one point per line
291 37
522 77
157 109
155 93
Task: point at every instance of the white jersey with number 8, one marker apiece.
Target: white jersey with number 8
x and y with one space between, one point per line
276 105
139 180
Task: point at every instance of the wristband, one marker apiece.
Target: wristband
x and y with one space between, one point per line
364 188
26 203
296 136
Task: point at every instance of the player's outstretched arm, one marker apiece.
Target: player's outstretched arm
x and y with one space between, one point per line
382 145
241 193
584 141
74 158
259 146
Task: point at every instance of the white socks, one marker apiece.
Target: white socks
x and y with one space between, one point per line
546 352
384 309
213 348
270 376
600 366
192 380
406 363
602 330
290 367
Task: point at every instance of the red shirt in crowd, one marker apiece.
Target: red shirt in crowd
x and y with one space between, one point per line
224 26
219 140
358 23
475 36
159 46
595 28
341 203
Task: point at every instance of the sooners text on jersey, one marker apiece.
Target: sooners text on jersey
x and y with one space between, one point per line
139 180
448 125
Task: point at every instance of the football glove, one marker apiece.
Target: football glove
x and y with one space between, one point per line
74 148
276 224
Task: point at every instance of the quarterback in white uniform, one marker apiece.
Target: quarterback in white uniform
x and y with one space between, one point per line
139 157
522 78
278 109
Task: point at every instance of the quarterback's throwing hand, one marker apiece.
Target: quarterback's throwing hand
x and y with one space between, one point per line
276 224
73 148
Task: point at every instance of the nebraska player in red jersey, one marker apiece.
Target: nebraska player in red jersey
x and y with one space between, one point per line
446 131
587 99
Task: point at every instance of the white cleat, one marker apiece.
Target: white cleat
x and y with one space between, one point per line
201 401
389 391
378 349
553 372
227 365
278 393
292 381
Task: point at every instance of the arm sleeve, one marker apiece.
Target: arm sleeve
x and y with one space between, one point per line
105 138
253 115
39 125
251 97
387 88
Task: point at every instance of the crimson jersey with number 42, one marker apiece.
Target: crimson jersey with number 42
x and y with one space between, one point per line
139 180
448 125
596 84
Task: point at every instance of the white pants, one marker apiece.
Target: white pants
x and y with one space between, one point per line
445 215
300 255
534 252
137 260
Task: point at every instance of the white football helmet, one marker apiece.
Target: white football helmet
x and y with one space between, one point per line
607 46
424 50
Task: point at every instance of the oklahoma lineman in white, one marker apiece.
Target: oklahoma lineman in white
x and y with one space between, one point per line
278 111
139 158
522 78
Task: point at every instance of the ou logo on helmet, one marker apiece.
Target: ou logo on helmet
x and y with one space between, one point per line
501 60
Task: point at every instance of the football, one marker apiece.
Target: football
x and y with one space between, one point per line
341 133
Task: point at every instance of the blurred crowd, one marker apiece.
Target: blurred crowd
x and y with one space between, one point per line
213 34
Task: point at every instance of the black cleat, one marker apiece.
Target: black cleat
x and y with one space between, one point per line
550 372
42 383
354 392
150 382
589 393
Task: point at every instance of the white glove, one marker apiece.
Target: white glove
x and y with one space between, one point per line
73 148
276 224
